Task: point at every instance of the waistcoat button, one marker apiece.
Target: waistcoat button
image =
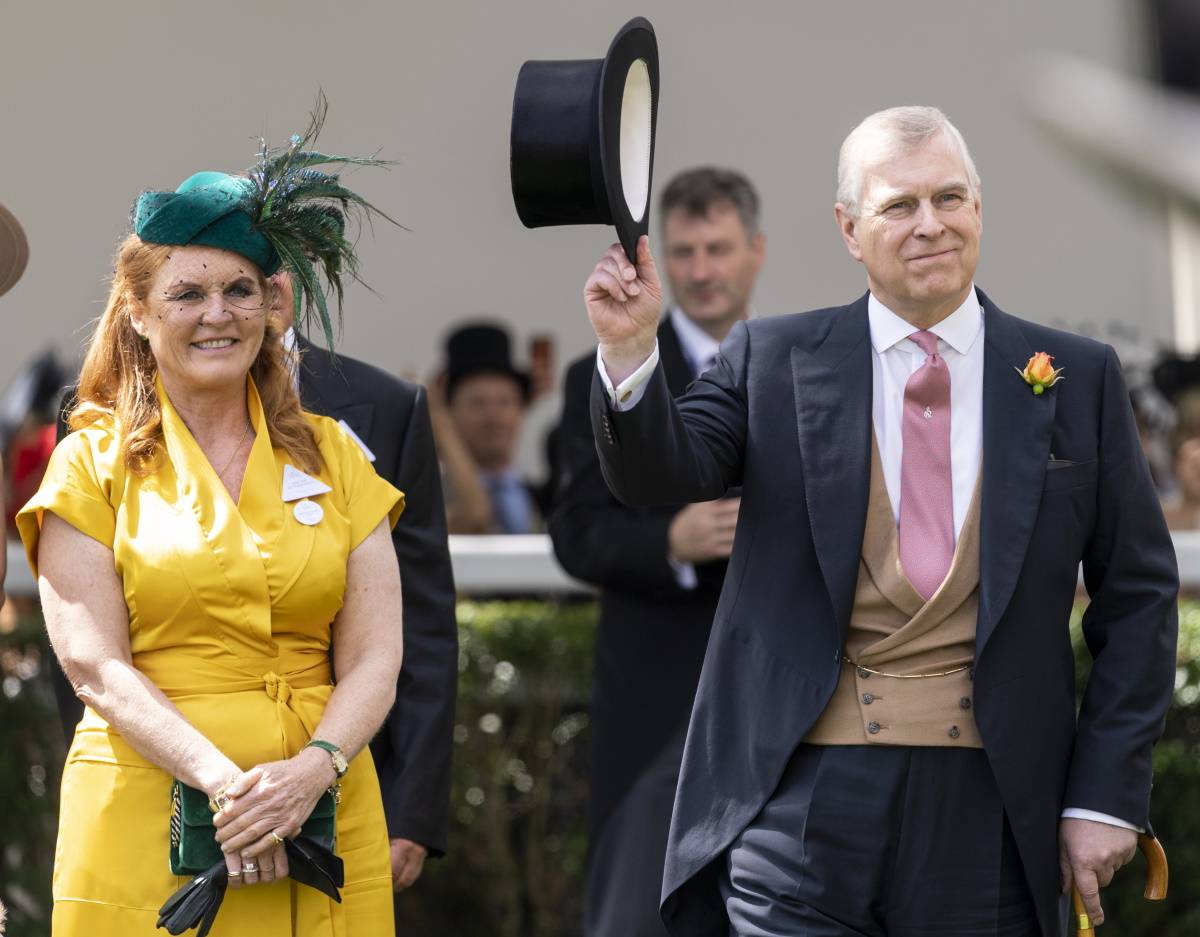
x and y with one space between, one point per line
953 733
965 702
868 699
863 672
874 728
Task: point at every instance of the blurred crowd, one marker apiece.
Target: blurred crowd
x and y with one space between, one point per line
497 410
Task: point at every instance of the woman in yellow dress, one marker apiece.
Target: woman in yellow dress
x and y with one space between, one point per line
202 546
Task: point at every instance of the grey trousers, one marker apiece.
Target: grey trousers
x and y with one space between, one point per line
879 841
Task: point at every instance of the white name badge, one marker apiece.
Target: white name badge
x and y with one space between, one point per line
353 435
297 485
308 513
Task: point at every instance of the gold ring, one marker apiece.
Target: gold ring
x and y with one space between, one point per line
222 800
250 868
276 838
237 874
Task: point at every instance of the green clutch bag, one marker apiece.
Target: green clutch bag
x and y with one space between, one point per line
194 847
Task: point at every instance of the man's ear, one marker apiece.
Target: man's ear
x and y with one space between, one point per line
848 226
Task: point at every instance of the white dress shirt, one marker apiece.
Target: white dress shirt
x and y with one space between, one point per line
894 359
699 348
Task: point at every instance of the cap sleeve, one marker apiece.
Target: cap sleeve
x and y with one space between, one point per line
77 487
368 497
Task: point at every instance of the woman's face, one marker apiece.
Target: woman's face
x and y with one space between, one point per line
204 316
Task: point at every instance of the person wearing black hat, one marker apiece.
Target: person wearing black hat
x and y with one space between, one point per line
478 406
659 568
886 738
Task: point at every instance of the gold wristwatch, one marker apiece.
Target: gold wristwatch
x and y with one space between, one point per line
338 758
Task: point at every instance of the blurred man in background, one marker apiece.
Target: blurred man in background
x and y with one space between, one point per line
478 406
660 569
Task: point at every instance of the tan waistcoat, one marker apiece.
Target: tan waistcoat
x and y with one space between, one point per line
893 629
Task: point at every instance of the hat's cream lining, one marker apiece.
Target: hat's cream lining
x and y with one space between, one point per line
636 106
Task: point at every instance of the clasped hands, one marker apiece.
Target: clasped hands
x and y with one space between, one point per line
264 806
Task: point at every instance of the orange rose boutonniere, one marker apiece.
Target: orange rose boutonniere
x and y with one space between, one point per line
1040 372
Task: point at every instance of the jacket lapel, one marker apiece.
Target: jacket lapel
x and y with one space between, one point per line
1017 427
676 368
832 385
325 390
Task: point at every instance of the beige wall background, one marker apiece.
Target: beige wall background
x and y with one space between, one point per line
99 101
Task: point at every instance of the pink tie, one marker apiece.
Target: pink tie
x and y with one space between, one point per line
926 489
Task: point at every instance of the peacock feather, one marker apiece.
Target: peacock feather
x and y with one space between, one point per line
303 211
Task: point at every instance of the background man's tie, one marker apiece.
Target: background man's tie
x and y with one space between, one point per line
926 488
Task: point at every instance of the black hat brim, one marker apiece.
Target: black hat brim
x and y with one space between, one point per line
14 250
631 65
582 138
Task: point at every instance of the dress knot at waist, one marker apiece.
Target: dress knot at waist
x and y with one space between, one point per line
277 687
278 677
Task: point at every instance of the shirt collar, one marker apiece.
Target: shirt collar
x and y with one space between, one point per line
959 330
509 475
697 344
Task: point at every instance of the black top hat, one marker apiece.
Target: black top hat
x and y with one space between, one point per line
1176 374
14 250
480 349
582 145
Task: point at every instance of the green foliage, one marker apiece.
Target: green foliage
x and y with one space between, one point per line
517 841
517 838
1175 805
31 743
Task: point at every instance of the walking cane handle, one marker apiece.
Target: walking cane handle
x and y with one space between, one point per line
1156 867
1156 882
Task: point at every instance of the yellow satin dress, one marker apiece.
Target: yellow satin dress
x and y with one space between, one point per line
231 608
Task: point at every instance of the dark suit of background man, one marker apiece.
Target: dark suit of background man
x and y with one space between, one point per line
412 751
821 792
659 569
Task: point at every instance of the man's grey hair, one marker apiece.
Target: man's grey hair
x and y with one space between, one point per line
895 130
697 191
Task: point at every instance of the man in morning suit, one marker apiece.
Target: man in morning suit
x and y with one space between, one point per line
412 751
659 568
884 740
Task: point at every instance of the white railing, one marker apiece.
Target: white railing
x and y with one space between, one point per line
482 566
526 564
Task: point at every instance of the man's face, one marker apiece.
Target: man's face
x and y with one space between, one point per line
711 264
488 410
918 229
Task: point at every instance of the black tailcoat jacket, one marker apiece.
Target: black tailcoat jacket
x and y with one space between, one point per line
786 414
652 632
412 750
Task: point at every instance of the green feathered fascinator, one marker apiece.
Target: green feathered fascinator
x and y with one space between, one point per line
284 213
